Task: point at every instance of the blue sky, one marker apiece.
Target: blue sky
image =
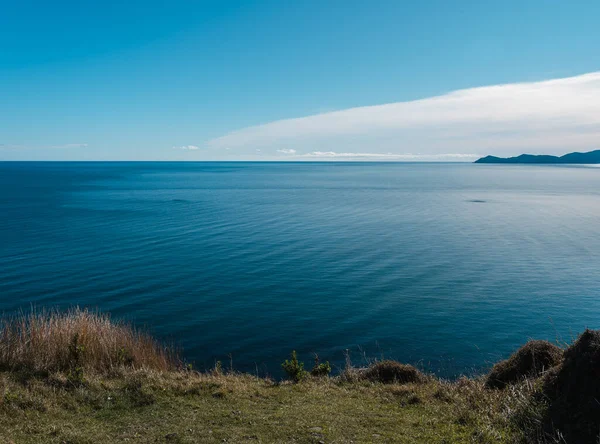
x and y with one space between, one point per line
83 80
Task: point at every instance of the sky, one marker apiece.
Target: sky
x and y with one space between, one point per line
429 80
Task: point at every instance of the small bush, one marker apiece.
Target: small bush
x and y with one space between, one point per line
294 368
392 371
320 368
530 361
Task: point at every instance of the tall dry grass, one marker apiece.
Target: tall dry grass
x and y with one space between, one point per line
50 340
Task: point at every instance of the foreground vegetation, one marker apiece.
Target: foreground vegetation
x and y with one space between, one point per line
79 378
148 406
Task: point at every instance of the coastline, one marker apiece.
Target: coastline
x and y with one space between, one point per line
77 376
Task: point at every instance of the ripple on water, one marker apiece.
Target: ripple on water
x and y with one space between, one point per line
259 259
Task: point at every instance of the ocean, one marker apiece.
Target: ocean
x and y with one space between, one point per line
447 266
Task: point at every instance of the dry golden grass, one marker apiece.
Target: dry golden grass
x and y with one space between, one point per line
49 341
531 360
391 371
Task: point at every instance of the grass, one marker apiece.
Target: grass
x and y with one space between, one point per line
79 377
150 406
533 359
50 340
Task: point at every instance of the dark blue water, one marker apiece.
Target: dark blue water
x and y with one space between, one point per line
450 266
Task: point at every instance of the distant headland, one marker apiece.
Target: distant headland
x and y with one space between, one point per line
593 157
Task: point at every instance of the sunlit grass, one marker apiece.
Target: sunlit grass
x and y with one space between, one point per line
56 341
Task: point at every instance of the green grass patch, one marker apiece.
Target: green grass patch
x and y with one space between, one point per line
188 407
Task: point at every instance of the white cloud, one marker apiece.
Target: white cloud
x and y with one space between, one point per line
392 156
186 147
552 116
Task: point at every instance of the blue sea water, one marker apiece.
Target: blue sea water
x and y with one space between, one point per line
449 266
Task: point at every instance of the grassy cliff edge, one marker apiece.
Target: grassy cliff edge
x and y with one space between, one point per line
78 377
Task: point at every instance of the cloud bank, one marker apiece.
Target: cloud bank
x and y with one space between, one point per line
408 156
552 116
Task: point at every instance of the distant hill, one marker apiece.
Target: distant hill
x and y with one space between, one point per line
573 158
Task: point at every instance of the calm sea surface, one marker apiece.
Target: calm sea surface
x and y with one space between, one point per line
449 266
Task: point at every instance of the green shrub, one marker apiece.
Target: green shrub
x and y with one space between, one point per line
320 368
294 368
